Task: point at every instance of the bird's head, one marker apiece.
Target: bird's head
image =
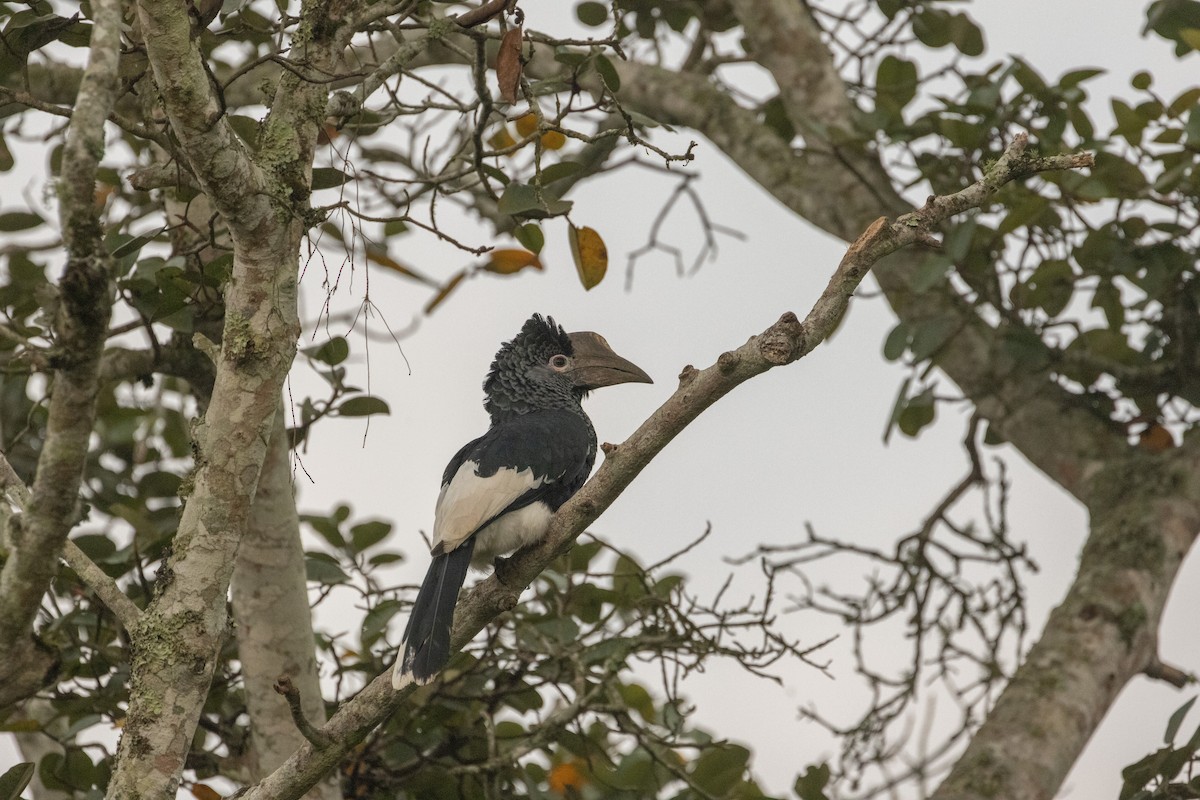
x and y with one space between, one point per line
546 367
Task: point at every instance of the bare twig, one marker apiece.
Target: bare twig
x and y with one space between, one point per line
284 686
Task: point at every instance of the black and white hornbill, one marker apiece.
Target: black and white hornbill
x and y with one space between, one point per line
500 490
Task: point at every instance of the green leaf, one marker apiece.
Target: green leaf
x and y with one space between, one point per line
333 352
966 35
897 341
895 83
15 779
1130 123
636 697
327 528
522 200
932 27
1176 720
811 785
929 336
321 568
1051 286
1078 76
362 406
897 407
636 771
592 14
608 73
368 534
931 273
376 620
556 172
719 769
19 221
775 117
328 178
530 236
133 245
246 128
918 412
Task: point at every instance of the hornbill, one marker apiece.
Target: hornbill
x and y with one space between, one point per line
500 490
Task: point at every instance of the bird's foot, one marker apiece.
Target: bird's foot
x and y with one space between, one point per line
502 568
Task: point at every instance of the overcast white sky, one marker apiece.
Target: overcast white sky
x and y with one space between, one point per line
801 444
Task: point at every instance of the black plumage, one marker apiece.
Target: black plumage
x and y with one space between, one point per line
500 490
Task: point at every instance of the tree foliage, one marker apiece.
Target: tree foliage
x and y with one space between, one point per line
207 158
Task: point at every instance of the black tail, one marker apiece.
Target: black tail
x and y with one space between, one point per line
427 637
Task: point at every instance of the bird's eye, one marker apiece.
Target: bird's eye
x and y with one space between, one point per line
559 362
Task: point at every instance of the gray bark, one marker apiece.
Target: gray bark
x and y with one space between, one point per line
274 622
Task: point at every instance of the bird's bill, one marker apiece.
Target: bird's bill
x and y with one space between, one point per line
597 365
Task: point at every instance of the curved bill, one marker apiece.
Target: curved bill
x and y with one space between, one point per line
596 365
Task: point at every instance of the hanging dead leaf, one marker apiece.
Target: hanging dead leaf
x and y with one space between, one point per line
508 64
508 261
526 124
590 254
502 139
202 791
381 258
553 140
445 292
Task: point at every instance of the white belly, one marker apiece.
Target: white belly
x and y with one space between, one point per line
511 532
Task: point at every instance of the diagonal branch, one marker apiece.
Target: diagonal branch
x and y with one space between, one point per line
786 341
1050 427
36 537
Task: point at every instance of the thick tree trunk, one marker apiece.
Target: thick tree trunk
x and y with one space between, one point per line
274 622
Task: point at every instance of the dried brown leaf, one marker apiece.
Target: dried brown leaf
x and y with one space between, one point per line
508 64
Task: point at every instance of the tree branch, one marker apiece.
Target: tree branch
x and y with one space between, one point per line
36 538
1051 427
284 686
96 579
784 342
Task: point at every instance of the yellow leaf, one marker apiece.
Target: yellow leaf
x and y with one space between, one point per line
381 258
445 292
590 254
553 140
502 139
203 791
526 124
507 261
566 776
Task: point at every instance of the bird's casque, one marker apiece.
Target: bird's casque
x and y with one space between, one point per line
500 490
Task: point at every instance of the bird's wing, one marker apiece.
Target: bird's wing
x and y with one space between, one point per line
515 463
